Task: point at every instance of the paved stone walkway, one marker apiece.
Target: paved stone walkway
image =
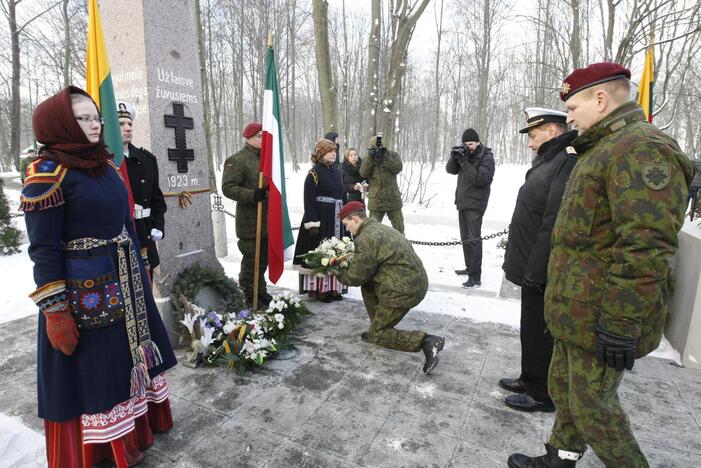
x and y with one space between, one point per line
341 402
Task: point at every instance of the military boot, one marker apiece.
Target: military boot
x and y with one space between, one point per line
264 298
554 458
431 346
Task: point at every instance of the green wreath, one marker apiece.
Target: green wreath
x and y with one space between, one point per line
194 278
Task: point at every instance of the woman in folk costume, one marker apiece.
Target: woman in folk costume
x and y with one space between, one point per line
324 195
102 347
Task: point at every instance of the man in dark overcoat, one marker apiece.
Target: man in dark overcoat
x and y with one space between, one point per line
149 204
528 250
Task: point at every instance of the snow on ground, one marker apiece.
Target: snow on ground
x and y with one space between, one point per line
20 446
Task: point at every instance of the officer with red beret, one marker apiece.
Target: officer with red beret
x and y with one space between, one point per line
608 273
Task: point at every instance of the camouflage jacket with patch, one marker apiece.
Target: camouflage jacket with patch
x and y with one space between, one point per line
383 191
615 232
239 181
385 259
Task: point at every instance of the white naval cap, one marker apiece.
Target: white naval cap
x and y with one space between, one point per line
536 116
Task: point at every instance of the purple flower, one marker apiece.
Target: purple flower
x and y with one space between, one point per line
214 318
244 314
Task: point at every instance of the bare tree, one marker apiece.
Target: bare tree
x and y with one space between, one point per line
329 102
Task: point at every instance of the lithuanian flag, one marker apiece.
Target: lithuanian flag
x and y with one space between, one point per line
280 239
647 82
99 87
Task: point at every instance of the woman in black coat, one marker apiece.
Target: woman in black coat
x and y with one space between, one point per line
351 177
324 195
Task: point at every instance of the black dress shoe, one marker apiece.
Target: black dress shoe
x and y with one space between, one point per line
462 272
513 385
525 402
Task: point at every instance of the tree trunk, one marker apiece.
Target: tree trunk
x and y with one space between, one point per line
575 37
15 117
66 43
323 65
396 68
370 125
205 92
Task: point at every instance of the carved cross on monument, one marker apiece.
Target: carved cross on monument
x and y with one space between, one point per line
180 154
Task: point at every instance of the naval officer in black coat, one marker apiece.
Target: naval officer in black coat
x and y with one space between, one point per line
149 204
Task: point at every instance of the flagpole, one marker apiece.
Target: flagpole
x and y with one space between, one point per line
257 263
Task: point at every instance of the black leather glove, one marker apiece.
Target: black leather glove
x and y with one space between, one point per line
260 194
615 351
314 231
532 287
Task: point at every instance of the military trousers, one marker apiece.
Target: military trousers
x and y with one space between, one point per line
395 217
248 263
588 411
536 345
471 228
382 322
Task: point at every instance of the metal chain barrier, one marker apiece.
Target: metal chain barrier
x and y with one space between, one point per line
465 241
217 205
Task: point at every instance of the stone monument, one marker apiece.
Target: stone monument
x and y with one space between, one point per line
154 60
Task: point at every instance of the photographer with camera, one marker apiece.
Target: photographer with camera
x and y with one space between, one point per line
380 168
473 163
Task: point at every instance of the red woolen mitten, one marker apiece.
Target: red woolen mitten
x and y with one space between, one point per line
61 328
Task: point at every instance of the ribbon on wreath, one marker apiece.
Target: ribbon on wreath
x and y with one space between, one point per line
185 197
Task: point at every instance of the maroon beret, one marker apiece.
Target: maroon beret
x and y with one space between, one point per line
596 73
251 129
350 208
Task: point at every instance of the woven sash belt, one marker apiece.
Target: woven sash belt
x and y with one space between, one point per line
145 354
337 208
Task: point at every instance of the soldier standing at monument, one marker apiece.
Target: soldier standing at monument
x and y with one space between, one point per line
240 183
392 280
528 250
149 203
608 275
380 168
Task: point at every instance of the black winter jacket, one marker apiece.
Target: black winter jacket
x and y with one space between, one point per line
537 204
351 176
475 173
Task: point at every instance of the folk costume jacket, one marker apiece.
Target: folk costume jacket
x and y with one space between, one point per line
85 251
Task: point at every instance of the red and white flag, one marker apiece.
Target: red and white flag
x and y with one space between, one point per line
272 161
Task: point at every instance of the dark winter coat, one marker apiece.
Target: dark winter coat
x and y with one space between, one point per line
475 173
322 181
239 182
538 201
351 176
143 178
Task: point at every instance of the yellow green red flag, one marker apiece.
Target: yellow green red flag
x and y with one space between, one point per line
99 87
99 82
647 83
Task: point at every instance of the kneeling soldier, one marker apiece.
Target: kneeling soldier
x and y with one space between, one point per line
392 280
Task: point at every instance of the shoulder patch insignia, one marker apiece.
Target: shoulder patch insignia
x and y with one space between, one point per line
656 176
570 150
315 176
42 186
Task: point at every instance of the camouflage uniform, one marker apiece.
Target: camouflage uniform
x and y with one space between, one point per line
239 181
615 231
392 280
383 193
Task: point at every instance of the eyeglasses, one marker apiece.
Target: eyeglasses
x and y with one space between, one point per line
90 118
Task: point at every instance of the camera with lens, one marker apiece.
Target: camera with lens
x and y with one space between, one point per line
458 151
377 151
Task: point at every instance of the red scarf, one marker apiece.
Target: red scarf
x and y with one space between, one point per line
65 142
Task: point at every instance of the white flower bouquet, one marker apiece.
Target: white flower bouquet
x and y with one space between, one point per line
331 257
